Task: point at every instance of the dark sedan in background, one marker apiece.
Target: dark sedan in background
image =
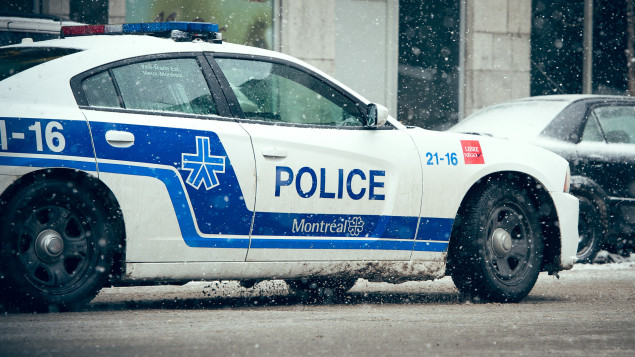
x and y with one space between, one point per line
596 134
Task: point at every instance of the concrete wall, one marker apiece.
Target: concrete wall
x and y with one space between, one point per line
497 52
60 8
117 12
356 41
307 31
366 48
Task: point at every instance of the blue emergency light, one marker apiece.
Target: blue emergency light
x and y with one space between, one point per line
193 29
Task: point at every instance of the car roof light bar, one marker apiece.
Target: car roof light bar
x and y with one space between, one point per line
195 29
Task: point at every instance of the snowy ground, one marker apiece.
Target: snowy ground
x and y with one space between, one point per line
604 257
588 311
196 291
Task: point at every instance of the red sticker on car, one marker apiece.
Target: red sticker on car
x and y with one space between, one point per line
472 152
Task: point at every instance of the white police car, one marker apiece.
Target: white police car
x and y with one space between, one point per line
128 159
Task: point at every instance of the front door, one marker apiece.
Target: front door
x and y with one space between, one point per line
329 188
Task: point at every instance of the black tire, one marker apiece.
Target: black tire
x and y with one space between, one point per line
589 230
56 249
497 250
319 290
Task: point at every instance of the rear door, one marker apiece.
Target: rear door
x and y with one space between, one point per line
181 170
329 188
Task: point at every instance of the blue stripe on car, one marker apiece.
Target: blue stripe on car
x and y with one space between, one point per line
204 215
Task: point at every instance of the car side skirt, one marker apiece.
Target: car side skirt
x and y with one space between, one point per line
387 271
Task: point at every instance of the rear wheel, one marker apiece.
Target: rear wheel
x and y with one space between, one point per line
498 249
590 231
56 248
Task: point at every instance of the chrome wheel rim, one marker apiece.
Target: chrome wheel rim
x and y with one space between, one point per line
509 243
53 248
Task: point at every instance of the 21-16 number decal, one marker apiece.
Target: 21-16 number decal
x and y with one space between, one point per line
435 159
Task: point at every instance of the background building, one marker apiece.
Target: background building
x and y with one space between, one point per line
430 62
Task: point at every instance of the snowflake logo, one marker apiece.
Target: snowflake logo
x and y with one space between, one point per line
355 226
203 166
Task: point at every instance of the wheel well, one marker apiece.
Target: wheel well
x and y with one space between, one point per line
585 187
89 183
548 217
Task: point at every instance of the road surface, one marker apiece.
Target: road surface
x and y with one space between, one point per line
589 311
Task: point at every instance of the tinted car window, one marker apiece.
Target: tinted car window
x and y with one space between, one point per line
275 92
172 85
618 123
18 59
100 91
592 130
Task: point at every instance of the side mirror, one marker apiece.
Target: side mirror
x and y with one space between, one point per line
377 115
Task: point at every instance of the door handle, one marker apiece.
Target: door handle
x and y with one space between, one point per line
274 153
596 160
119 139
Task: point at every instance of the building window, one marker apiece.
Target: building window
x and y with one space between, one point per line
89 12
557 47
428 62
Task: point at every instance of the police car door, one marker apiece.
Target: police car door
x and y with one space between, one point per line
183 174
328 188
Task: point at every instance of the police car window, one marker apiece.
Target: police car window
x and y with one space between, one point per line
275 92
618 123
100 91
172 85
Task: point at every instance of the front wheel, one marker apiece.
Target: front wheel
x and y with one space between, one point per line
56 249
498 249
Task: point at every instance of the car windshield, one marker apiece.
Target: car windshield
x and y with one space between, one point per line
14 60
512 120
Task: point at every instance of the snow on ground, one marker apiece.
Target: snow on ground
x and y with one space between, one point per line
232 289
604 257
607 261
